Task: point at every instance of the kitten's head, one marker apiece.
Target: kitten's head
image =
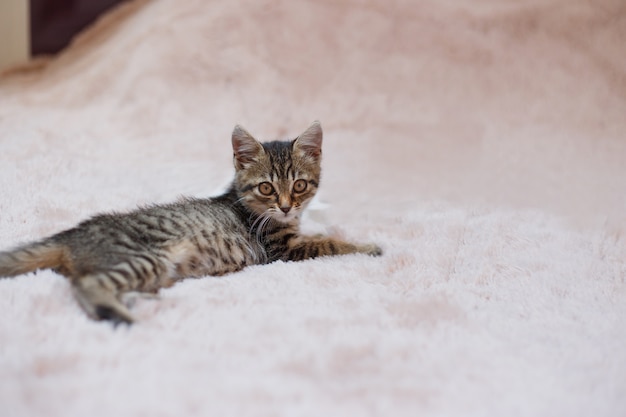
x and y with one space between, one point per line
277 179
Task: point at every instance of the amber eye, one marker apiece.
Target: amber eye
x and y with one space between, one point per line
266 188
299 186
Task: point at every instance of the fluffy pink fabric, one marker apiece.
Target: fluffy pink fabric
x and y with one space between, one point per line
480 143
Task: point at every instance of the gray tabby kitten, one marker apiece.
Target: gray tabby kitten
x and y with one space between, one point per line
256 221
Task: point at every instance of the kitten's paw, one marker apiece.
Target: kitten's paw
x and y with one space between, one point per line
116 315
371 250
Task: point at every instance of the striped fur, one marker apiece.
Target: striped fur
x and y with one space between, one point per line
255 221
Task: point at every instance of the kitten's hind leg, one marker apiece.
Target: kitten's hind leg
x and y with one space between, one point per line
99 300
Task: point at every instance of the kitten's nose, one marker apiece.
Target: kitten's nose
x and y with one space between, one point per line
285 209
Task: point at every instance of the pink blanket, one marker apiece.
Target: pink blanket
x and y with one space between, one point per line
480 143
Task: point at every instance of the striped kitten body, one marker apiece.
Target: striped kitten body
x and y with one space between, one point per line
255 221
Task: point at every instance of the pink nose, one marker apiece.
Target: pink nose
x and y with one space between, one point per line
285 209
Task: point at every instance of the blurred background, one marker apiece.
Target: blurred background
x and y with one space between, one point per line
517 102
30 28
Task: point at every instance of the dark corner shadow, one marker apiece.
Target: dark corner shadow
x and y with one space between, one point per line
70 30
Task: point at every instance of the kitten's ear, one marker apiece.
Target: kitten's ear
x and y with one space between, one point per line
310 142
246 149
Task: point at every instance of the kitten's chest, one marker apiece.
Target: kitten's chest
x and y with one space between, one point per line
276 240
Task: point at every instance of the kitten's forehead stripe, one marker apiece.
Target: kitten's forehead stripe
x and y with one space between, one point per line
280 158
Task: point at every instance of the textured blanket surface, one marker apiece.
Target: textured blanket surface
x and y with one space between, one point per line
482 144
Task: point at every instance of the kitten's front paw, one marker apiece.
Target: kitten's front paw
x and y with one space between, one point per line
371 250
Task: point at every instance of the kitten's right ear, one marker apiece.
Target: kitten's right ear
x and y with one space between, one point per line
246 149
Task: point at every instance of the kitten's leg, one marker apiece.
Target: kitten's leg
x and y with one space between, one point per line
97 295
323 246
103 295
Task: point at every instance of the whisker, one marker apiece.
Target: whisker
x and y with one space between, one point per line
258 219
259 232
240 199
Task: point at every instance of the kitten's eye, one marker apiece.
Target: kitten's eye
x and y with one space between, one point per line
266 188
299 186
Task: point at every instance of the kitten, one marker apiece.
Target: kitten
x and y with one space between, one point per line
256 221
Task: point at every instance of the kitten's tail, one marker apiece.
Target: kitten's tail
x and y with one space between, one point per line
31 257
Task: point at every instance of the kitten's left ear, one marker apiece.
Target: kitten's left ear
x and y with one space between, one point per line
246 149
310 142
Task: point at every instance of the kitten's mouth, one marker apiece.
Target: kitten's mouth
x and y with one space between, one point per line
284 217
